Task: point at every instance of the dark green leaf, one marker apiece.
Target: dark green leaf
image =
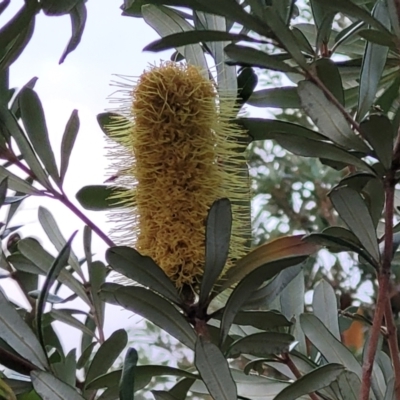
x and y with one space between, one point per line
106 355
246 83
325 307
51 388
21 263
191 37
388 97
373 64
32 116
374 194
327 117
378 131
263 344
3 190
250 57
14 199
180 390
162 395
311 382
248 285
98 197
66 369
17 334
393 14
97 275
313 148
218 234
280 97
332 350
87 340
126 386
84 358
56 7
16 183
68 141
378 37
261 129
214 370
354 212
78 20
51 298
59 263
142 269
349 385
152 307
263 320
321 14
328 73
34 252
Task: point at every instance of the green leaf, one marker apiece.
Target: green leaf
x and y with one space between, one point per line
248 285
66 316
78 16
214 370
3 190
263 344
162 395
142 269
166 21
378 37
246 82
17 334
332 350
354 212
59 263
191 37
327 117
311 382
280 97
68 141
106 355
98 197
16 183
349 385
51 388
388 97
34 252
84 358
53 232
152 307
181 389
373 64
323 18
55 7
378 131
66 369
261 129
313 148
24 146
250 57
329 74
127 382
218 235
34 121
97 276
325 307
264 320
395 23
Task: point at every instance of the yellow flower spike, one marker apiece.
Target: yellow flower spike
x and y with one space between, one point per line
179 153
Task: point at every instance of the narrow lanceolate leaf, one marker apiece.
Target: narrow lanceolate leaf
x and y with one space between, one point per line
78 20
218 234
280 97
328 73
214 370
287 246
127 383
326 308
378 130
32 115
152 307
68 141
311 382
373 64
98 197
162 395
97 274
248 285
59 263
263 344
17 334
248 56
354 212
3 190
50 388
165 21
327 117
106 355
331 348
142 269
16 183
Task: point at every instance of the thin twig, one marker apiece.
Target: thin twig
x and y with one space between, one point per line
383 289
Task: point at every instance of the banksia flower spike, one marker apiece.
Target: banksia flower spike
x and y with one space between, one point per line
176 153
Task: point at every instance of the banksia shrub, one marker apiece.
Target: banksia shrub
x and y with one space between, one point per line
177 152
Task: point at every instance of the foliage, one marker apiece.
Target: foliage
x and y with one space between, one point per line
248 330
